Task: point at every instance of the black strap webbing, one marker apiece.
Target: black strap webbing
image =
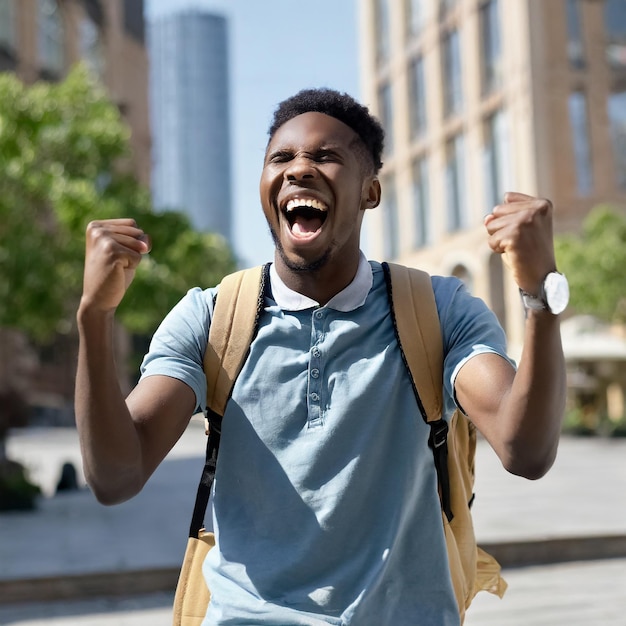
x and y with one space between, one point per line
206 479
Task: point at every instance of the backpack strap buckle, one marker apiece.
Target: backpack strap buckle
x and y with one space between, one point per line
438 434
438 442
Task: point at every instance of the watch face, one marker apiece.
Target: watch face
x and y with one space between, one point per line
556 290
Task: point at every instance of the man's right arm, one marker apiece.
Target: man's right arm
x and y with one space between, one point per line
122 440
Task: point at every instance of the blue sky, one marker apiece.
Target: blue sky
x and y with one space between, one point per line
277 47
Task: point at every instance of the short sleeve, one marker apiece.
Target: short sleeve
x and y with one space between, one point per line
468 327
178 345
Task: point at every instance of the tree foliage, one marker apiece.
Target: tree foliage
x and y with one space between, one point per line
64 154
594 263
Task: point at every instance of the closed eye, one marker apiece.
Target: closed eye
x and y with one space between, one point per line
280 156
326 156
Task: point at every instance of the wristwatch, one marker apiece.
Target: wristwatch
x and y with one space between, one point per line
553 295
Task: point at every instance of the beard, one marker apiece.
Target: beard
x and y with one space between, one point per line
299 266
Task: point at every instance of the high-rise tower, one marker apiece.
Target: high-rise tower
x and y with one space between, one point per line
189 101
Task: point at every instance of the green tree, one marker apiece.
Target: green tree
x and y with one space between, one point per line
594 263
64 160
64 152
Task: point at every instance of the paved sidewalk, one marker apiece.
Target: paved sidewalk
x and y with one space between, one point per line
592 593
72 539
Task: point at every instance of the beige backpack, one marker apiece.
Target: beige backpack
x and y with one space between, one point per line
234 324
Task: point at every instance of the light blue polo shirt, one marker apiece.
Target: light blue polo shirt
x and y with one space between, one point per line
325 502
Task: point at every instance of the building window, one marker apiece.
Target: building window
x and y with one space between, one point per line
615 25
416 17
445 6
577 105
50 37
496 156
420 192
8 30
617 120
490 46
133 19
383 34
496 288
455 183
90 45
385 106
93 8
390 218
575 47
452 82
417 94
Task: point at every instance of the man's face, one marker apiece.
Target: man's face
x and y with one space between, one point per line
314 188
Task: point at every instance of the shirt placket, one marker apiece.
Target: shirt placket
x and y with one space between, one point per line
314 394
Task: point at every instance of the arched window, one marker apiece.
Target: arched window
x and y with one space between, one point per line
462 273
50 37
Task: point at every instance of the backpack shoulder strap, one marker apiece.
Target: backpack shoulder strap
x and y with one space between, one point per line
416 322
234 324
235 321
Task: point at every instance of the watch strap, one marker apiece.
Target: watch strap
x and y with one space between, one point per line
536 303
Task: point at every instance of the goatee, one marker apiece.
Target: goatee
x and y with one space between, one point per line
302 266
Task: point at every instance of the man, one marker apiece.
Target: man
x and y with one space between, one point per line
325 502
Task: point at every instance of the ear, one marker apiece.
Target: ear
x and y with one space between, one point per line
372 194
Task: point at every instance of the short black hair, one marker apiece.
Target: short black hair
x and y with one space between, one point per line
340 106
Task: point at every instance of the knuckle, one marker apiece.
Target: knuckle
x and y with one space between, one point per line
93 227
542 206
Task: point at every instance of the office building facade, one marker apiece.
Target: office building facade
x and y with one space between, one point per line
43 39
483 96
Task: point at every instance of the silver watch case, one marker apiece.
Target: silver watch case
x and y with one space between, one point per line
553 295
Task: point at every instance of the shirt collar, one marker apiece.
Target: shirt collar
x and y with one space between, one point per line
348 299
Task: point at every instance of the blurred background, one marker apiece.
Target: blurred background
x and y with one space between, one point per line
159 110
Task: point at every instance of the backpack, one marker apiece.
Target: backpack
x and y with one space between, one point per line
235 321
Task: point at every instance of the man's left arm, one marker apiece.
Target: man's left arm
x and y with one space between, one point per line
520 413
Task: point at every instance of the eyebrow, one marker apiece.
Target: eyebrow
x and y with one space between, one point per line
325 147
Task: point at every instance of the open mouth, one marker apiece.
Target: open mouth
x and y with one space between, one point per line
305 215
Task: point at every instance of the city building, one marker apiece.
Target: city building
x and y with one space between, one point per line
42 40
483 96
189 101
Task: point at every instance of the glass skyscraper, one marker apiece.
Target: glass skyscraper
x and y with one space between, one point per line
189 109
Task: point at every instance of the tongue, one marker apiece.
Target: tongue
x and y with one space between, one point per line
306 226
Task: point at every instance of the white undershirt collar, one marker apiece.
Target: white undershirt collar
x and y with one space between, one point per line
348 299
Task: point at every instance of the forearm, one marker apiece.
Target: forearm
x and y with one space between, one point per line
532 412
109 440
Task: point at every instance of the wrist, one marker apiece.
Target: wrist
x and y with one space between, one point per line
552 295
88 313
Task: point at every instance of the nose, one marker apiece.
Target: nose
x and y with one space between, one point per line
300 168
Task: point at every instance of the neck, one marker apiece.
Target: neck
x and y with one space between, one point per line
321 283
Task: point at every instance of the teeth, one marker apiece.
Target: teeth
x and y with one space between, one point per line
297 202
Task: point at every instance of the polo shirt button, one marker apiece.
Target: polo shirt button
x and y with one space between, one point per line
316 352
314 397
319 315
315 373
